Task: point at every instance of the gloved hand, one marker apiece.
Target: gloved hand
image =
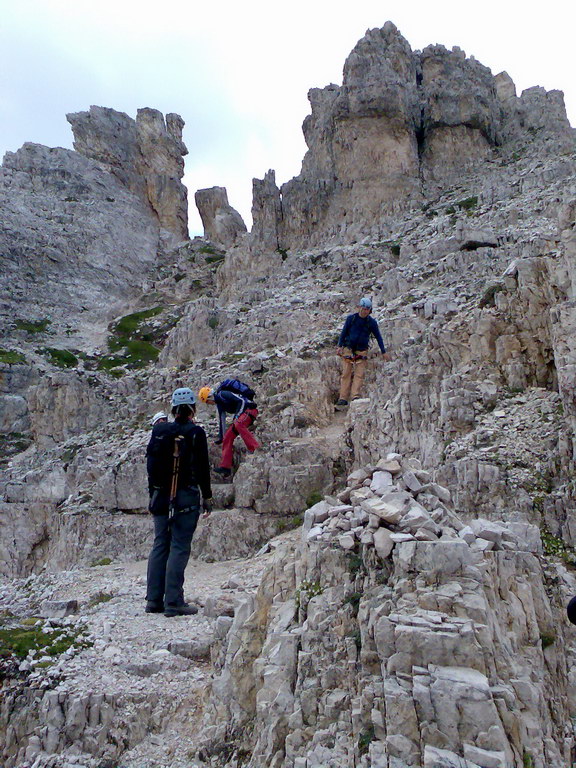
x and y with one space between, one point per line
218 442
207 506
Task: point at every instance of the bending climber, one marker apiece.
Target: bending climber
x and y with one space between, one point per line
178 470
353 347
235 397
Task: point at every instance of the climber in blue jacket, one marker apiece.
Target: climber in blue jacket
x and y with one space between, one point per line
353 347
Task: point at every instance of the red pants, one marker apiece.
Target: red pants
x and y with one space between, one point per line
238 427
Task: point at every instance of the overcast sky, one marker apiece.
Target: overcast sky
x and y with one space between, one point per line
239 71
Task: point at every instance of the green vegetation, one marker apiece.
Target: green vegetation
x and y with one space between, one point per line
394 246
69 454
11 357
547 640
100 597
354 601
33 326
554 546
234 357
309 589
283 252
468 204
12 443
289 523
429 211
137 354
541 482
210 249
213 322
130 326
527 760
214 259
132 337
355 564
110 364
17 641
313 498
102 561
365 739
63 358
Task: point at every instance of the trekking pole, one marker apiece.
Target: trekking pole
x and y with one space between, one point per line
174 486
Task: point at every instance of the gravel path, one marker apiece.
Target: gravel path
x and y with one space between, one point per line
142 681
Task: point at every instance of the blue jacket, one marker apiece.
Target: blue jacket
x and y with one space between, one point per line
229 402
356 333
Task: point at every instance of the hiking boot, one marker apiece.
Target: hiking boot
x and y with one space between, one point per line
180 610
223 471
357 397
341 404
153 607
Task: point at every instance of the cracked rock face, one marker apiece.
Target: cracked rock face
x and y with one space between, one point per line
403 125
65 222
146 154
222 223
354 654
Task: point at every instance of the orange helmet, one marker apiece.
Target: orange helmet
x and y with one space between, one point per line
204 394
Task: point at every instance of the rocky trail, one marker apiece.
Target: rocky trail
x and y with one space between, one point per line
131 679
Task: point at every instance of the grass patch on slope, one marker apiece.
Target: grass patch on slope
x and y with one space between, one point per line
131 340
11 357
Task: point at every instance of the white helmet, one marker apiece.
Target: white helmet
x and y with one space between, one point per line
158 417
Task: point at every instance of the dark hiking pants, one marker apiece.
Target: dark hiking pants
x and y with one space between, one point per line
169 557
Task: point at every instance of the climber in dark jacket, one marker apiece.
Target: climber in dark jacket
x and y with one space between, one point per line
244 413
353 347
175 522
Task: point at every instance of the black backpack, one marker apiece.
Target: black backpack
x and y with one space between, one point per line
160 452
161 461
238 387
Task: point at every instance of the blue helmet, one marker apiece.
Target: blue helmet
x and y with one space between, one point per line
183 396
365 302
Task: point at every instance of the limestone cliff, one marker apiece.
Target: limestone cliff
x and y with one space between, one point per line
222 223
74 240
394 635
402 126
146 154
